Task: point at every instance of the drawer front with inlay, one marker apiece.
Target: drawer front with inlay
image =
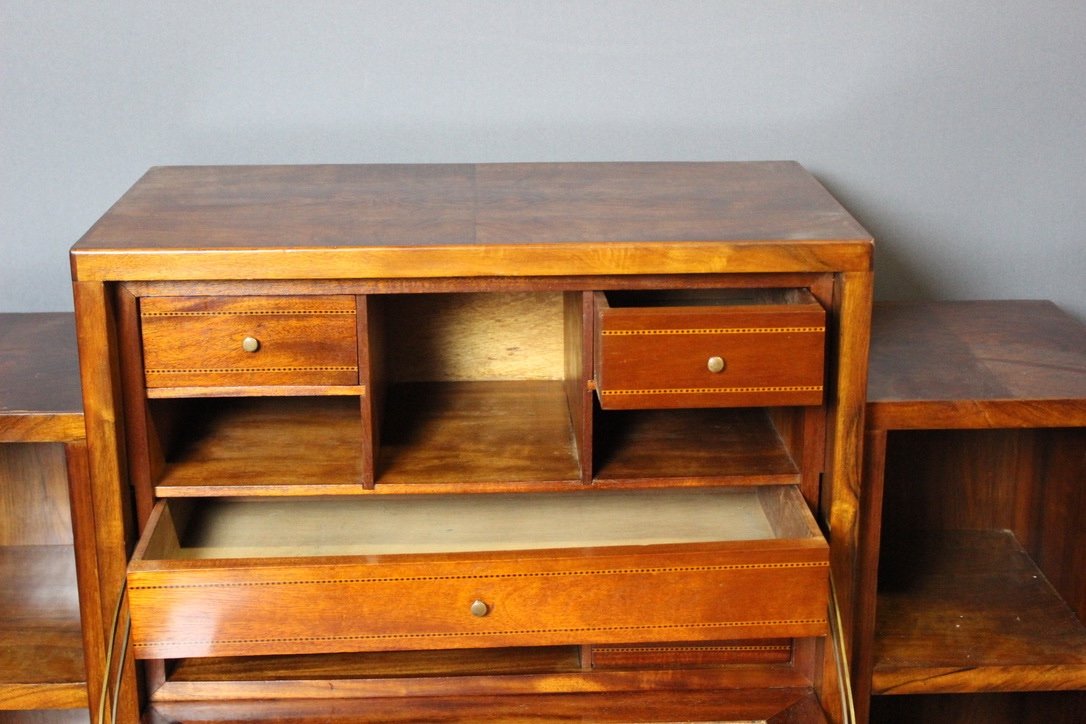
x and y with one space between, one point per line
197 592
249 341
709 356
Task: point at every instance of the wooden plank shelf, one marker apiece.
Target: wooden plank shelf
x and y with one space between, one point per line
965 611
42 661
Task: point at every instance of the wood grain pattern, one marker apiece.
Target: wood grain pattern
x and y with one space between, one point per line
437 674
723 446
477 432
474 336
976 364
335 222
975 421
588 581
299 341
969 611
34 506
775 706
519 231
656 356
39 379
42 661
269 446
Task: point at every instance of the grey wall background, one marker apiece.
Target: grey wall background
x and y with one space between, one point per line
955 131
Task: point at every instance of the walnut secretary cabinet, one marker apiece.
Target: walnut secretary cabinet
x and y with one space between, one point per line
393 443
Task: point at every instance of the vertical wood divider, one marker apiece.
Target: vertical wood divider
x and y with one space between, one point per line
103 412
371 375
578 372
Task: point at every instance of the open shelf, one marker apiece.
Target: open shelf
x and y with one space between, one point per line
263 446
963 611
704 446
41 648
512 432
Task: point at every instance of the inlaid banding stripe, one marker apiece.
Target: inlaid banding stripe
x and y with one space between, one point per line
712 330
252 313
248 370
712 390
473 634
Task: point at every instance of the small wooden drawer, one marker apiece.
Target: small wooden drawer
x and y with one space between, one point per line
222 577
711 348
249 341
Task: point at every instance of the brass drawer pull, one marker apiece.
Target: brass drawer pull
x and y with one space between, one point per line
250 344
479 608
715 364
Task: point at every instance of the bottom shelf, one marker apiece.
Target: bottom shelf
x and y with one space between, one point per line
968 611
41 647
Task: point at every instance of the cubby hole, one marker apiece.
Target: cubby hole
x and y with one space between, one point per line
256 446
476 389
982 560
733 446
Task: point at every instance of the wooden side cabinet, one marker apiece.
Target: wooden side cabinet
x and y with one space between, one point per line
974 588
368 442
42 462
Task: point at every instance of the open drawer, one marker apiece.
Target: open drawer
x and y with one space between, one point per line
709 348
224 577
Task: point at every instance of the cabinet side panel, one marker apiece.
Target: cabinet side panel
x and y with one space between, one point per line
33 495
848 341
1059 546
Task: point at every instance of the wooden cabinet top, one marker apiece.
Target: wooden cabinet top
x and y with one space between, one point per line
39 379
534 219
979 364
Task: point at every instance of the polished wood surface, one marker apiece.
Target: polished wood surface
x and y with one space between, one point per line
34 495
335 222
39 379
565 570
779 706
660 356
973 497
454 395
722 446
270 446
298 340
41 648
969 611
976 364
485 432
43 663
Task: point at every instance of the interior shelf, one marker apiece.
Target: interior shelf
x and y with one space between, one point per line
41 648
263 446
720 446
968 610
476 432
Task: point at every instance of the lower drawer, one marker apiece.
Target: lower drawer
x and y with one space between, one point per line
235 577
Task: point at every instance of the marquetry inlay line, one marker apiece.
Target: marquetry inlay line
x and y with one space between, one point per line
253 313
711 330
228 370
476 577
686 649
702 390
473 634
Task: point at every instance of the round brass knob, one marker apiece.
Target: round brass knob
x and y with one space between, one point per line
715 364
250 344
479 608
